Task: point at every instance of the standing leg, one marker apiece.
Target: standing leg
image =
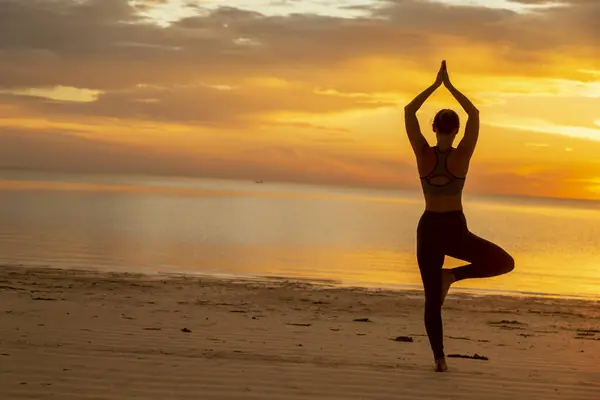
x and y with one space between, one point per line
431 260
486 258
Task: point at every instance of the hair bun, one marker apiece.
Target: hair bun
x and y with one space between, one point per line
446 121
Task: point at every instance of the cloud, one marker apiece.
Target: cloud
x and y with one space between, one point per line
105 44
202 104
51 150
241 69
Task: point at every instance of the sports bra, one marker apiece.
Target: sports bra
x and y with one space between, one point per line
441 182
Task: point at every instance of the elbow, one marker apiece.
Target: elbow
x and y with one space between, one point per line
410 109
474 112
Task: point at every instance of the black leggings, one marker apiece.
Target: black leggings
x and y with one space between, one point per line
447 234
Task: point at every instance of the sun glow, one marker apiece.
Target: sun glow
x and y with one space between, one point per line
308 90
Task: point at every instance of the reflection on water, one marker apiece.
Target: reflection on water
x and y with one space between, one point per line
348 235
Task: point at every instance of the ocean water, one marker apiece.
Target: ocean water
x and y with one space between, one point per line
343 236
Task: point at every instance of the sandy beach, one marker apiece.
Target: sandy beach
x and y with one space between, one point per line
68 334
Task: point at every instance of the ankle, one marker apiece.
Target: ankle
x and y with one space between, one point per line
440 365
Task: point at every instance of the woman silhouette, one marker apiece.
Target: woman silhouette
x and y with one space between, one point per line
442 230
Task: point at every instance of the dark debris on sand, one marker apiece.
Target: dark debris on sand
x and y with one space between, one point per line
506 322
588 331
473 357
44 299
587 337
362 320
403 339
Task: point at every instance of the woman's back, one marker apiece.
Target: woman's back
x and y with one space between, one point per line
443 174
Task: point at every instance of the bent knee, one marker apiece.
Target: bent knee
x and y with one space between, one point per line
507 264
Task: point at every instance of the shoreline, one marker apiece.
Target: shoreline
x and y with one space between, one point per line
316 283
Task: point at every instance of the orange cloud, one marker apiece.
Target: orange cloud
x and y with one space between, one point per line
232 92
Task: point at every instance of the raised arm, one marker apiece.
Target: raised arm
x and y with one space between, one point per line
413 129
469 140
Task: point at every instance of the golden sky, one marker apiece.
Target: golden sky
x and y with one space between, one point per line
300 90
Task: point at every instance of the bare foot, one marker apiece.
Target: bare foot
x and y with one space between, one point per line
440 365
447 280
